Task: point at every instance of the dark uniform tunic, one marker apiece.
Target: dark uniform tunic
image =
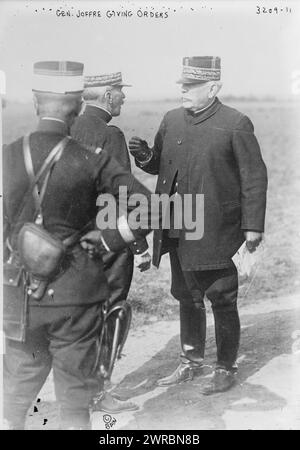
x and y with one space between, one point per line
214 153
91 129
64 325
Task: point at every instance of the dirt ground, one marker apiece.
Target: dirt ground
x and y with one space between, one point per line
266 395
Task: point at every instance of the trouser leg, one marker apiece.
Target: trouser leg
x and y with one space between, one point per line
223 294
74 350
25 369
192 332
221 288
227 326
118 269
192 311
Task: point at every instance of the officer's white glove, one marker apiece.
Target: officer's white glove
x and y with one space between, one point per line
143 261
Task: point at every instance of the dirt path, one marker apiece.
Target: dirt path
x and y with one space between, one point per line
267 395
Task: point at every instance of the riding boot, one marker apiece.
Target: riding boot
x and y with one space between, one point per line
192 331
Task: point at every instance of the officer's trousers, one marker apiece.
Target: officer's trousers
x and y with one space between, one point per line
62 338
118 269
221 288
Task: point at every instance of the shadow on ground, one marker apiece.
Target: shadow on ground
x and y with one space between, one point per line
264 337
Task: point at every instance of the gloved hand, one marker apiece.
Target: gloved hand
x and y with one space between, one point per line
143 261
91 242
253 239
139 148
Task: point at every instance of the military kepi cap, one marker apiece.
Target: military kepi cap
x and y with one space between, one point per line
59 77
108 79
198 69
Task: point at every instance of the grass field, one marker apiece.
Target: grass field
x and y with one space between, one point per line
277 130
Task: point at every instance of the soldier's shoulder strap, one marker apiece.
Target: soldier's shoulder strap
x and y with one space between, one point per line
45 168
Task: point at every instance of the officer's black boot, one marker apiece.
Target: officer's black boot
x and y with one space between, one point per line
192 334
227 329
192 331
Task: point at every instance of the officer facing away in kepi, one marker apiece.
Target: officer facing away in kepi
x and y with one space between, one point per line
205 147
64 318
103 95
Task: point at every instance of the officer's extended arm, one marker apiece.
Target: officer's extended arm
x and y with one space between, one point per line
116 146
148 159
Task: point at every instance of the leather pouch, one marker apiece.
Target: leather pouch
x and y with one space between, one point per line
41 253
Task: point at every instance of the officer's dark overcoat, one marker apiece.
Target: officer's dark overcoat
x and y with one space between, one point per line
214 153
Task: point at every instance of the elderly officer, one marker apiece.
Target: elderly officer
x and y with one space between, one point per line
205 147
104 98
64 325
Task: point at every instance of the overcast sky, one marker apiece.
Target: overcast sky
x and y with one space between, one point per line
259 52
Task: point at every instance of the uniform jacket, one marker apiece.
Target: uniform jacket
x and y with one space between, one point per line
91 129
69 204
214 153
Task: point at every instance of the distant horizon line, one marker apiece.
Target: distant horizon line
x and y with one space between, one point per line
226 97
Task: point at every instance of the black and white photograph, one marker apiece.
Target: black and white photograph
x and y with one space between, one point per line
150 217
